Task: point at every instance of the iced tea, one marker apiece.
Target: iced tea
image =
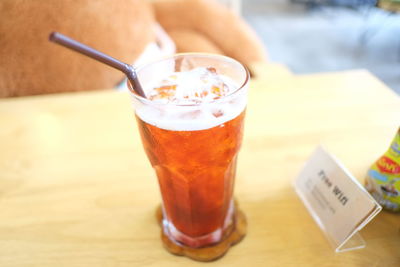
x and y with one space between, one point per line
191 127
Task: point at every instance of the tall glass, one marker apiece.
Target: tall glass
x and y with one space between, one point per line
193 150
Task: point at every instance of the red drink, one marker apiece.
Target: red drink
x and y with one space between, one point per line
191 124
196 171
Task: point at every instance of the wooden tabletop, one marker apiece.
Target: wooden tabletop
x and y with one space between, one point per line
76 188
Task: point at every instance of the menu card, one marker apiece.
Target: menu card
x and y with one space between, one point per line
339 204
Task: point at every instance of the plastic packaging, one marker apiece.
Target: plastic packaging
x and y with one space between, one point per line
383 178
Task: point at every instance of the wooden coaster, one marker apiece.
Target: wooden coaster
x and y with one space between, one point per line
235 233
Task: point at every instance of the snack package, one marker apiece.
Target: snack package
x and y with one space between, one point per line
383 178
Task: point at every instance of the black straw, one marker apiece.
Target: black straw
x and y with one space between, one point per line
99 56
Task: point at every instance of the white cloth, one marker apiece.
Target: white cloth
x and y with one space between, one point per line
162 47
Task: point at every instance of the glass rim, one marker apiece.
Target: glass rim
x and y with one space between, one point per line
195 54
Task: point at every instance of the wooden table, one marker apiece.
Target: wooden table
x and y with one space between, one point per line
76 188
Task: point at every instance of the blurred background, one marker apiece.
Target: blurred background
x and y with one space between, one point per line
307 36
330 35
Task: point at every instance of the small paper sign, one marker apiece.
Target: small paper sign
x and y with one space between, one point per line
336 200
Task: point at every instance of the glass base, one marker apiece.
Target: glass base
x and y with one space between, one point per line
234 234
